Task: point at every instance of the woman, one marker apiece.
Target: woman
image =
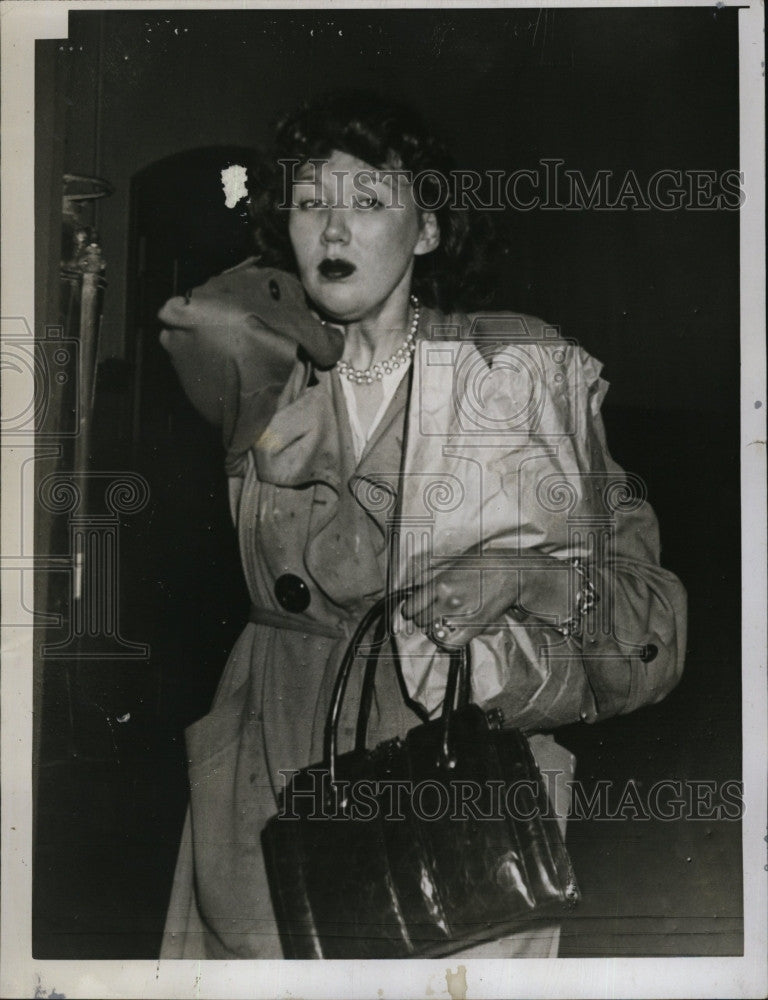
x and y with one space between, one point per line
309 357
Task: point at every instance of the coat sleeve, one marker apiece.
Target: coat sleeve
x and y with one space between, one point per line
632 645
233 342
637 659
553 493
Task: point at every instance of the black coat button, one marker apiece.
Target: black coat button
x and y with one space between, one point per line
649 653
274 289
292 593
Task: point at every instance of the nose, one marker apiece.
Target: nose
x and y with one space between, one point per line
336 229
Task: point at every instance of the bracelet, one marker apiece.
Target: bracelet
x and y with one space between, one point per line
586 598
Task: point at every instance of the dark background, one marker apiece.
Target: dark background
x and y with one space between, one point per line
157 103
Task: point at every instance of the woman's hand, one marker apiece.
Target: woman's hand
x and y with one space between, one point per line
459 603
462 601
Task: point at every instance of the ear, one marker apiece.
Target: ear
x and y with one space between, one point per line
429 236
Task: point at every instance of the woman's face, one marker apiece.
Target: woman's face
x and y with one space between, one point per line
355 232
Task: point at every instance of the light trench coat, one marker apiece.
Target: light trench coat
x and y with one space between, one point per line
519 441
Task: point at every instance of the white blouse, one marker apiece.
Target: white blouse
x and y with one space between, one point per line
389 384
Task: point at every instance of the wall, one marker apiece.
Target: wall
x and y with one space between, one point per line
653 294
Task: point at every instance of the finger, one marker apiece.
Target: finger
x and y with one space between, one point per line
451 638
427 617
449 593
460 595
457 606
419 601
458 612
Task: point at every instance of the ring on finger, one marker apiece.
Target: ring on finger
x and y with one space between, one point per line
440 630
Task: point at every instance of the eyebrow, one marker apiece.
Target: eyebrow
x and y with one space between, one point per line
387 179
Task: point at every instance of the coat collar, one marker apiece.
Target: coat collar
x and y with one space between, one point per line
309 439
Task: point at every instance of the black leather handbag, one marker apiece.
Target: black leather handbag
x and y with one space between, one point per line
420 847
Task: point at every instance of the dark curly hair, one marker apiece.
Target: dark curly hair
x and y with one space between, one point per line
459 273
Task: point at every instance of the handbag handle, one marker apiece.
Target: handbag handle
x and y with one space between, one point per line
458 678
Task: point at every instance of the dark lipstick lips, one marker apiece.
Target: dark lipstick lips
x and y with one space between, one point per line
335 268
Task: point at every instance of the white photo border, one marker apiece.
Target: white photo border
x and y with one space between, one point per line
744 976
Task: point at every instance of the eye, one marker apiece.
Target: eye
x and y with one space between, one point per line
367 202
310 203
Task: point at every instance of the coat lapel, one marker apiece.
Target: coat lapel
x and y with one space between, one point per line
344 553
308 443
301 444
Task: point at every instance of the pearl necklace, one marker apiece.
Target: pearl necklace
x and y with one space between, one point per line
401 356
